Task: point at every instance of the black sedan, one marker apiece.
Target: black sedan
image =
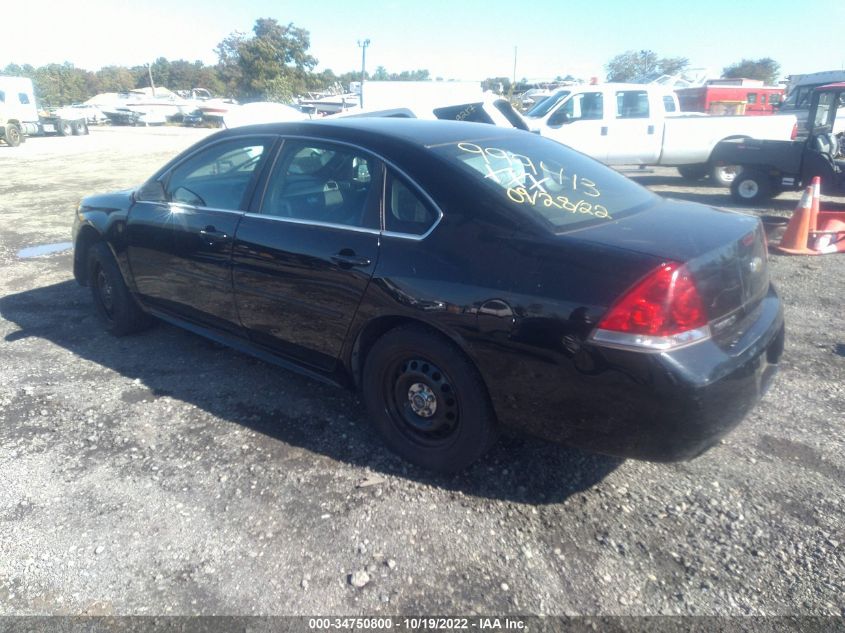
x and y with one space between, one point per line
464 277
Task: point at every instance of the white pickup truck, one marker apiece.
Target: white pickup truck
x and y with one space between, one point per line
641 124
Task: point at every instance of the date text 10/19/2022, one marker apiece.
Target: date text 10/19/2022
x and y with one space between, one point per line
420 623
529 185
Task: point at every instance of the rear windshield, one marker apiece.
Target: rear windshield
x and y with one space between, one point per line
563 188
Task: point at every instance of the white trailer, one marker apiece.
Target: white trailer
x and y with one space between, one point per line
19 115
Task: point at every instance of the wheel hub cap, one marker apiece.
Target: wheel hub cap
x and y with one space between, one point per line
748 189
422 399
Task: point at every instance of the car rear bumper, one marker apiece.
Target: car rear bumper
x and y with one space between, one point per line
657 406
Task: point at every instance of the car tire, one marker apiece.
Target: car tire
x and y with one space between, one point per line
751 187
693 172
116 308
427 400
13 135
724 175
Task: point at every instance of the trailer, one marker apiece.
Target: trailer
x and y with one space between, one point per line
737 97
19 115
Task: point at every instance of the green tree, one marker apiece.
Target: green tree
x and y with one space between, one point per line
500 85
229 70
60 84
642 65
765 69
272 61
381 74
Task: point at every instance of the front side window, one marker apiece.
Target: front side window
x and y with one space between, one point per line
632 104
774 99
219 176
545 106
2 97
324 184
752 97
586 106
23 98
823 109
405 211
669 104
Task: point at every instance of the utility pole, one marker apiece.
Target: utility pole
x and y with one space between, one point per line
150 73
363 46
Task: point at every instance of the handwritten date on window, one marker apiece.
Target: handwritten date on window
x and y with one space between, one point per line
537 183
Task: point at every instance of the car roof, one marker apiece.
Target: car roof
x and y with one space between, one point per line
384 130
837 86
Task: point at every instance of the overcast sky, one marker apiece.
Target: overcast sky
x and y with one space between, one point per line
459 39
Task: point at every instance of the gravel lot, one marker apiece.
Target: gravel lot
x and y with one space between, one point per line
163 474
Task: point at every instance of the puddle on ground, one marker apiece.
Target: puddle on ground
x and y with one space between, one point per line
44 249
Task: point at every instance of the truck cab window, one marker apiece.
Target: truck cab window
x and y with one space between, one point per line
632 104
23 98
586 106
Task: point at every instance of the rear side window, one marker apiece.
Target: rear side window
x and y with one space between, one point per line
219 176
322 183
405 211
668 104
632 104
752 97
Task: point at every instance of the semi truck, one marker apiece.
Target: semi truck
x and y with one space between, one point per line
19 116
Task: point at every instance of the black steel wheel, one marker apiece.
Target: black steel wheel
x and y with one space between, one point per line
693 172
113 302
427 400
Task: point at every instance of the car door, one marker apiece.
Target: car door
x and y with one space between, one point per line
579 123
633 134
180 245
303 259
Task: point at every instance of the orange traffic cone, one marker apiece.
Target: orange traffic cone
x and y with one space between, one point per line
830 236
794 240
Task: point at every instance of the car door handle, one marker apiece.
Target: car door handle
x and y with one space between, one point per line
348 258
211 235
604 130
651 129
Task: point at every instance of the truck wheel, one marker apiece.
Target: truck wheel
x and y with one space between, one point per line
75 128
64 128
83 127
693 172
751 187
724 175
13 135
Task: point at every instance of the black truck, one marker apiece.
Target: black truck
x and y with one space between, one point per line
771 167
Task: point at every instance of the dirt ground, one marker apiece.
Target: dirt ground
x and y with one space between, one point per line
163 474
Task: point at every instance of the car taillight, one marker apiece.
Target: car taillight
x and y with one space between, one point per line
794 134
662 311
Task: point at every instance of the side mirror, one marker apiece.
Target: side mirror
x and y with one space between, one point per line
559 118
151 191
